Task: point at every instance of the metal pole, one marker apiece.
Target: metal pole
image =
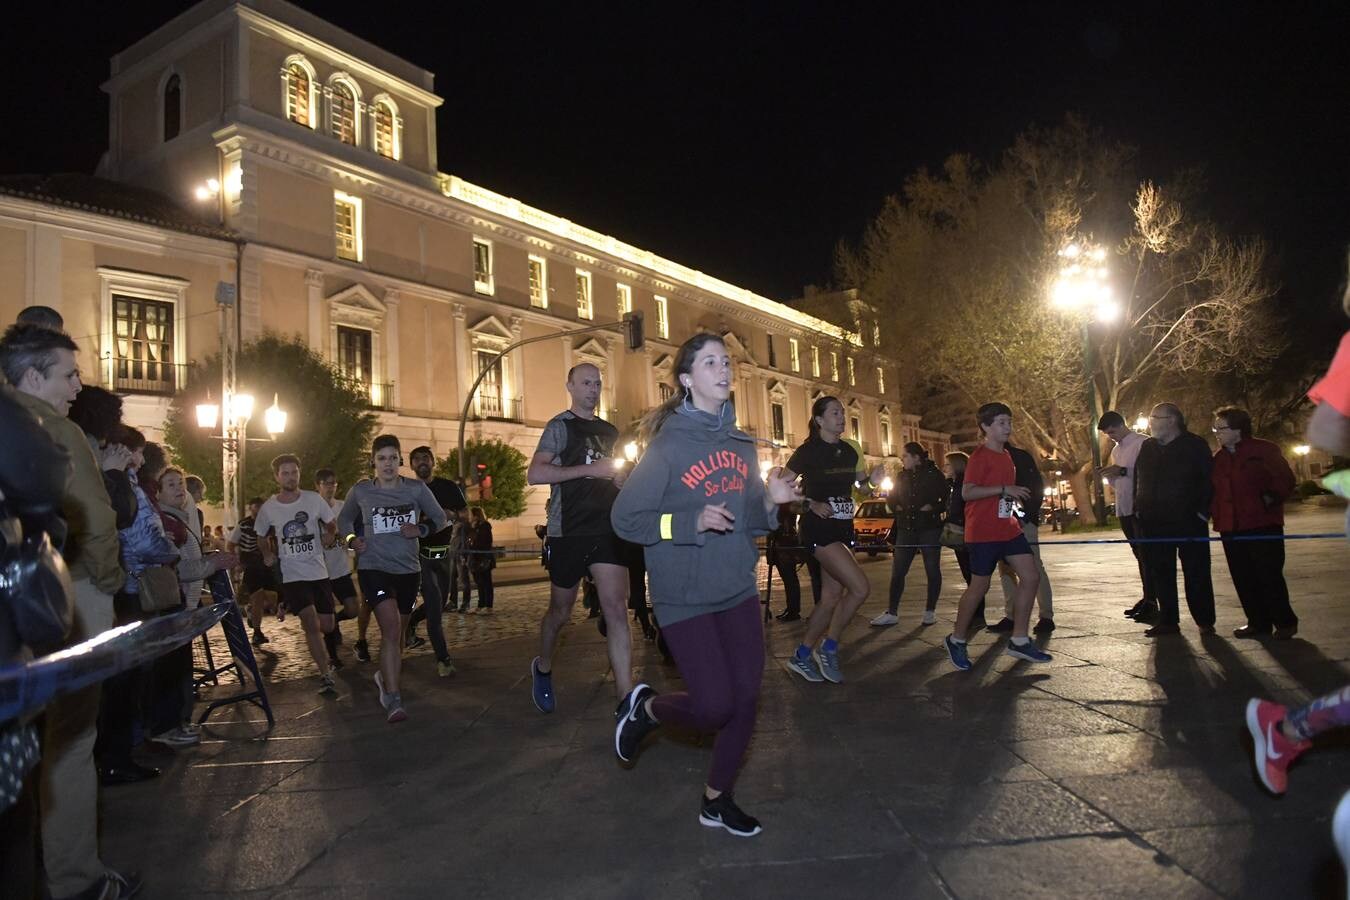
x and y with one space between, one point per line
473 389
1089 366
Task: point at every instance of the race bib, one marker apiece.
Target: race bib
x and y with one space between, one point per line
1007 507
298 546
841 507
390 519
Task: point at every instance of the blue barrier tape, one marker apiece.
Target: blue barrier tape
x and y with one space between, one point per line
28 687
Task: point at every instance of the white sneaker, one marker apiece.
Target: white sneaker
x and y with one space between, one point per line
1340 831
177 737
930 617
886 618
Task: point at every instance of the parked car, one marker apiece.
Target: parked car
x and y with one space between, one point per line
872 525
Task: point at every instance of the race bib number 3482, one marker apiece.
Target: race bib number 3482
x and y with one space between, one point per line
841 507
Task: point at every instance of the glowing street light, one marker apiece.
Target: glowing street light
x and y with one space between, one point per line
1141 423
630 451
887 484
1302 450
275 418
207 413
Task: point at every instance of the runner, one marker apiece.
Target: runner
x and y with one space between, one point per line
438 581
830 465
993 535
339 567
576 457
696 503
258 581
296 526
388 509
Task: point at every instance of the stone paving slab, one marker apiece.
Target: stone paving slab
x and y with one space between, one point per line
1121 770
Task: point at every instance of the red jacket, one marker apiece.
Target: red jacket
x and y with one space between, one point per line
1250 486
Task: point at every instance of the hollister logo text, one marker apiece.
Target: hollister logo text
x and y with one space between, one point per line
723 472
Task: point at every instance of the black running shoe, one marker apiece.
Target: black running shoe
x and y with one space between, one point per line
362 651
724 813
632 723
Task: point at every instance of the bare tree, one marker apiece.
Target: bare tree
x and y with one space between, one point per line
962 264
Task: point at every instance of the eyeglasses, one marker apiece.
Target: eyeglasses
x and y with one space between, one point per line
1217 428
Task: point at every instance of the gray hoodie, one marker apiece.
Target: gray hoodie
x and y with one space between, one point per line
381 511
696 459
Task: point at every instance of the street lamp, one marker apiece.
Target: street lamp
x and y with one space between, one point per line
1082 290
1141 423
234 434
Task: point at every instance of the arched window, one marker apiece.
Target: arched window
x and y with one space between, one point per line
298 78
385 116
342 106
173 107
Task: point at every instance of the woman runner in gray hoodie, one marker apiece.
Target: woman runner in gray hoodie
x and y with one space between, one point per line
696 503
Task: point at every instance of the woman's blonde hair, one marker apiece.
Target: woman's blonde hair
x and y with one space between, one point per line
957 460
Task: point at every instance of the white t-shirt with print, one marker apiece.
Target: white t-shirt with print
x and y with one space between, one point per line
297 526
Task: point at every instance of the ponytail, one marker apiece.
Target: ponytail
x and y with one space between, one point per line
684 362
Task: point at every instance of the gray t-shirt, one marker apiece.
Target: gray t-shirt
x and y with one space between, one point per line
298 526
382 512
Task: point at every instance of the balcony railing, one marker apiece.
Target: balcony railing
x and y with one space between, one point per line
379 395
785 439
139 376
490 406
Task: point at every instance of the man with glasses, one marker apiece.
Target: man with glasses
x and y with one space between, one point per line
1121 472
1172 494
1251 480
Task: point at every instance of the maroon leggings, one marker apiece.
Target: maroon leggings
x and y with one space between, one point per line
721 658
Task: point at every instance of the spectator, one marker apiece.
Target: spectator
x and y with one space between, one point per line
143 544
1172 493
483 559
919 500
33 477
42 317
259 585
1121 473
787 555
1251 482
1029 514
41 365
196 489
98 412
170 707
459 560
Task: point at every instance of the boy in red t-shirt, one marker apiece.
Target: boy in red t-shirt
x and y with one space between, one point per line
991 493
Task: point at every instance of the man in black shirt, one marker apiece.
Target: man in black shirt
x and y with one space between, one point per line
576 457
438 580
1172 494
258 578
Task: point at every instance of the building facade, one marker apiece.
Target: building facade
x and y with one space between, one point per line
310 156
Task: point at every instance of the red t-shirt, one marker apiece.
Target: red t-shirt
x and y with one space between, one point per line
1334 388
989 469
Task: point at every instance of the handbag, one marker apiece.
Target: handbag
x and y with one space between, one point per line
953 535
35 587
159 589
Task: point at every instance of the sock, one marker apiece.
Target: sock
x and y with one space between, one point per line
957 640
330 643
830 645
803 651
1021 641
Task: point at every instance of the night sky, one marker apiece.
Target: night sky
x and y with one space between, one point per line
746 142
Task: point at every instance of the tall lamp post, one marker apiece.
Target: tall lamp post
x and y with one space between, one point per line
1083 291
234 439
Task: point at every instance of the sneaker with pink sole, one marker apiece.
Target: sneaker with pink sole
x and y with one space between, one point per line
1271 750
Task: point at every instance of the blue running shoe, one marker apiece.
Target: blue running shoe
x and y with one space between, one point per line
541 688
828 663
1028 651
957 652
803 667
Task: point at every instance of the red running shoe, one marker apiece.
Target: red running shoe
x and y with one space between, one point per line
1272 751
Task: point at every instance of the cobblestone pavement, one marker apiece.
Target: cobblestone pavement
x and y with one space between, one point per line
1121 769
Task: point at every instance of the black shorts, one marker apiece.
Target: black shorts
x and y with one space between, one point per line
817 532
258 578
379 586
569 558
343 588
299 594
986 555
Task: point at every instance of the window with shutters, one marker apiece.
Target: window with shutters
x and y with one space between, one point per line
342 113
347 226
584 308
538 282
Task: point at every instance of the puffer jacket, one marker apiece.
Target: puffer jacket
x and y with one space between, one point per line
144 543
924 486
1251 484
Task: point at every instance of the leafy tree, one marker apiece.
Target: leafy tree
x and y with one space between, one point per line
507 467
962 265
328 421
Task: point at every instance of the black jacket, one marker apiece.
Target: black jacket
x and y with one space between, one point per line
1171 481
1028 476
925 486
956 507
